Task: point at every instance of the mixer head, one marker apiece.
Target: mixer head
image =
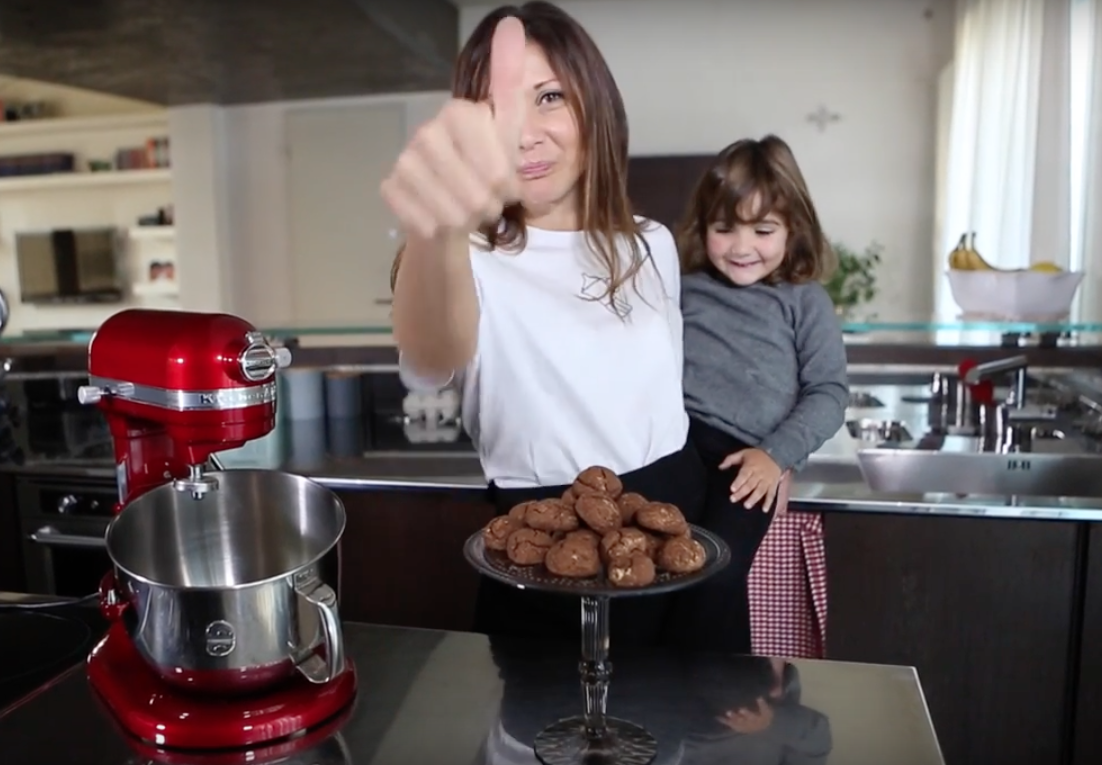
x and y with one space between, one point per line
202 382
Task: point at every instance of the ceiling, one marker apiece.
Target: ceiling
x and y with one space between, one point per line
176 52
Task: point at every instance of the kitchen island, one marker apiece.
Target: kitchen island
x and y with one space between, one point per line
995 600
453 698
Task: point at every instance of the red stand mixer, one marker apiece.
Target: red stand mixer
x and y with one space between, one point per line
209 652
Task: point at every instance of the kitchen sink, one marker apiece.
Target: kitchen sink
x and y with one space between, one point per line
879 431
894 379
1054 466
863 400
829 472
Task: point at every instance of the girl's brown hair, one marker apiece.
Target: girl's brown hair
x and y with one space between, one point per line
747 181
590 90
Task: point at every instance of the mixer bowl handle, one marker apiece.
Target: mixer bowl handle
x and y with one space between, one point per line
314 668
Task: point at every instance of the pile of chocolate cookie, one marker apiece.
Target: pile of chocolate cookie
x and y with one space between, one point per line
596 528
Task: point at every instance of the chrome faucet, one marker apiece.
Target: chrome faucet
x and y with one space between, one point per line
1015 364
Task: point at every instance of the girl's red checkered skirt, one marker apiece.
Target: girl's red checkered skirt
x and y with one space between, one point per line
788 587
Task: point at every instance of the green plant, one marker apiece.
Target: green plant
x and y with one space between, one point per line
854 280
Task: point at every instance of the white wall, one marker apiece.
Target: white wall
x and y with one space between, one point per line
255 205
201 192
698 74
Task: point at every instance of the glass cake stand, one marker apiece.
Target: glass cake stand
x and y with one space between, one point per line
594 737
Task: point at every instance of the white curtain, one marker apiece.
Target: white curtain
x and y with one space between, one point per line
1087 154
1023 119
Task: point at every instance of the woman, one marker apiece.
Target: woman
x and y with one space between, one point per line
526 281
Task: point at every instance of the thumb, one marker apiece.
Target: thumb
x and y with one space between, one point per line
731 460
507 80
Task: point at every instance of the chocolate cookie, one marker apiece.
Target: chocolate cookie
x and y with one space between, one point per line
598 512
588 536
631 571
663 518
682 555
573 558
519 512
528 547
623 543
568 497
551 515
598 480
497 532
629 504
654 545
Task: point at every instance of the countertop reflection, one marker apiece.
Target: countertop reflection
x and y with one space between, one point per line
432 697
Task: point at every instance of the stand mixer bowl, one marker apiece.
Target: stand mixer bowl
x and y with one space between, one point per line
222 592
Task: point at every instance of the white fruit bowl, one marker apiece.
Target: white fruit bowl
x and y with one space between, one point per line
1014 295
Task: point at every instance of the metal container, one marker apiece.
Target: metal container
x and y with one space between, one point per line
222 592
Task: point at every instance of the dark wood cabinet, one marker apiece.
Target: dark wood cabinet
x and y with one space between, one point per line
12 577
402 557
984 609
660 187
1087 675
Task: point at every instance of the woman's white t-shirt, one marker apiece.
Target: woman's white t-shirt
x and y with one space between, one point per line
561 382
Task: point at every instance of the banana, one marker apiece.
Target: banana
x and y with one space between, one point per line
1046 267
958 256
978 263
965 257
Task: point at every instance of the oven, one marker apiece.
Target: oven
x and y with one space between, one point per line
63 521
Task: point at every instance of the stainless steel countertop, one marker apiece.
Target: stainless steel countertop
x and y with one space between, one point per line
440 698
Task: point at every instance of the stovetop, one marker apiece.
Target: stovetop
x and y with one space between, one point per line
38 644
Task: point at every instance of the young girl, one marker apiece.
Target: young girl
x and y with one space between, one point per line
765 364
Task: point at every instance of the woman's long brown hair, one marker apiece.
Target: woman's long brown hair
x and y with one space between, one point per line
606 212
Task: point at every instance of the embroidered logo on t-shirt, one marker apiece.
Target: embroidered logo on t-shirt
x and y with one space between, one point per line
595 287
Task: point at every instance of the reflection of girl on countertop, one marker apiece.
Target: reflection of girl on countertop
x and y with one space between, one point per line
753 716
703 709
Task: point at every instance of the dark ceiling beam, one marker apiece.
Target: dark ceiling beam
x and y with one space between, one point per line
426 28
177 52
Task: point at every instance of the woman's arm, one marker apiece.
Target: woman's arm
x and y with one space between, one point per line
824 392
435 305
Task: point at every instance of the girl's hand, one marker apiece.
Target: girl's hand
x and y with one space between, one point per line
758 478
749 721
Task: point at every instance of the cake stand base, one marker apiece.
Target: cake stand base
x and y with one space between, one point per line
567 742
594 738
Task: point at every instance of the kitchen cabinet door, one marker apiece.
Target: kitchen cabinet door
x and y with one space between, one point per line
983 608
1087 746
402 558
339 229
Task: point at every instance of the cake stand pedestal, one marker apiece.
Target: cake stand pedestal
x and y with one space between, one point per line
593 737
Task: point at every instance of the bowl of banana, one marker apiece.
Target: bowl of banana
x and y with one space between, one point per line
1041 293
